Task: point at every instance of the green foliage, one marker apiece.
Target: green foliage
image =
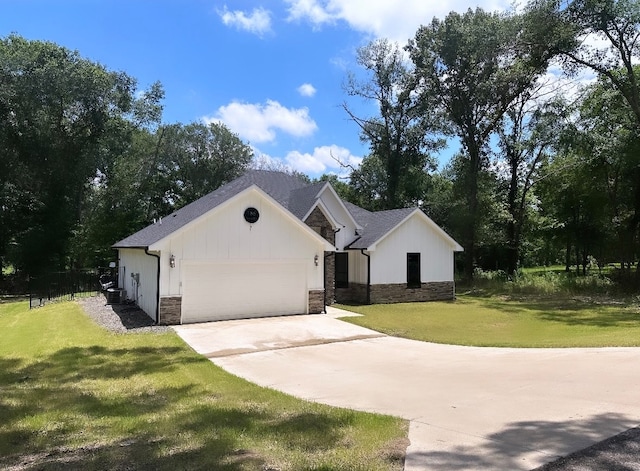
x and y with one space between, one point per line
526 140
368 184
84 160
342 189
475 65
543 282
588 192
73 396
616 23
161 171
56 111
401 137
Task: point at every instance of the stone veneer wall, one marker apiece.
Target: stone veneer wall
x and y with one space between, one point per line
397 292
316 301
356 293
170 312
330 276
317 219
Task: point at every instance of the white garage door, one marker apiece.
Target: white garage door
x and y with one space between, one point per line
240 290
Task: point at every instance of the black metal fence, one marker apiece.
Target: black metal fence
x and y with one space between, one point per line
63 286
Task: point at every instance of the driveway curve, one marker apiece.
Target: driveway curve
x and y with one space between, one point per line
469 407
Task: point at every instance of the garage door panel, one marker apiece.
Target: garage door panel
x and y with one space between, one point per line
241 290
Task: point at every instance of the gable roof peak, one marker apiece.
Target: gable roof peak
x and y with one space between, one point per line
296 195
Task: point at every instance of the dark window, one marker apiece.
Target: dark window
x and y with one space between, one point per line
413 270
342 270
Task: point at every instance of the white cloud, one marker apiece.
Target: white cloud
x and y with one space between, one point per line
310 10
262 161
324 159
306 89
260 122
258 22
383 18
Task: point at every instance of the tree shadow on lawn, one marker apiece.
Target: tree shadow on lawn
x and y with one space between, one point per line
52 419
571 311
507 448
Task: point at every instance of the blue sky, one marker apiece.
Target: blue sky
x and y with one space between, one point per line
272 71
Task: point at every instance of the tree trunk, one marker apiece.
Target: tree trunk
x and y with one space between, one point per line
513 248
472 199
635 229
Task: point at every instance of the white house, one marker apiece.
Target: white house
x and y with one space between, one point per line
269 244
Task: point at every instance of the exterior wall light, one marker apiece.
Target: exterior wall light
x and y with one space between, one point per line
172 261
315 260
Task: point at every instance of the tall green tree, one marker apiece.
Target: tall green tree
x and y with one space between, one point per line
527 137
606 133
163 168
202 157
369 183
118 203
573 197
606 40
476 64
400 136
56 111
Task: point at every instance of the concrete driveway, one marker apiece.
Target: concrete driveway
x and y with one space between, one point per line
469 408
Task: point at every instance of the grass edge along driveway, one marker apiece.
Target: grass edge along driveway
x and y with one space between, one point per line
74 396
500 321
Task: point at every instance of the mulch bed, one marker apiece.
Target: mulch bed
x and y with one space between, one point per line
120 318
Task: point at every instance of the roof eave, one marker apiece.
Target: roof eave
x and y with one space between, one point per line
456 247
319 204
118 247
351 246
327 246
373 245
340 202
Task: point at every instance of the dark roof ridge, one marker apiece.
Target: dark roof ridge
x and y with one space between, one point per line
276 184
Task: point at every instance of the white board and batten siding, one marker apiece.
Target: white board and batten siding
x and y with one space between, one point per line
389 260
227 268
357 267
347 232
141 288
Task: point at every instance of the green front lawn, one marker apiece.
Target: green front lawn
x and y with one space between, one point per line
73 396
550 321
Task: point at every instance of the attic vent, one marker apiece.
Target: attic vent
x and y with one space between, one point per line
251 215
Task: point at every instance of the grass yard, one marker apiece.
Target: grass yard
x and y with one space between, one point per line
74 396
549 321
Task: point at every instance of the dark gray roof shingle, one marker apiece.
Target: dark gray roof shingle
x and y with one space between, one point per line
375 224
302 199
278 185
291 192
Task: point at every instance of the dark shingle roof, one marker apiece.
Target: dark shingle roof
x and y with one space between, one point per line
375 224
302 199
278 185
291 192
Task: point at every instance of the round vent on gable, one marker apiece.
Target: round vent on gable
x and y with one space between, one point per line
251 215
